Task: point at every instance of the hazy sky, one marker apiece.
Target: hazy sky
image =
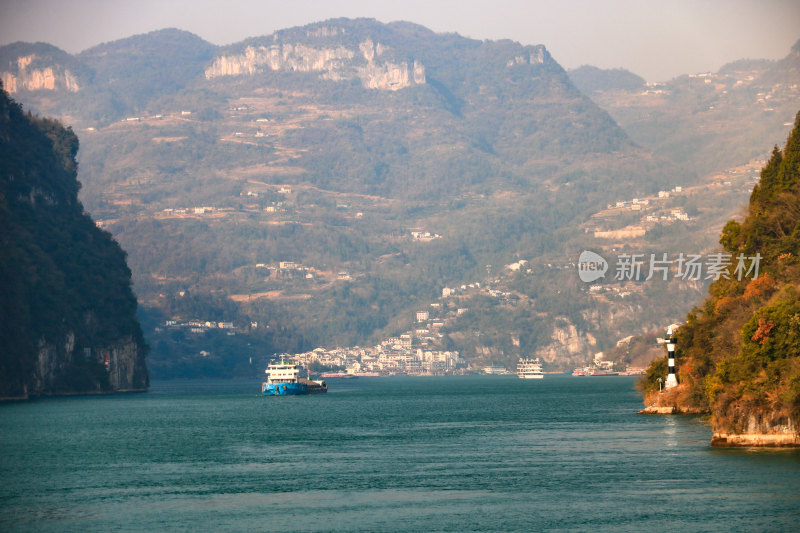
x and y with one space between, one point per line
657 39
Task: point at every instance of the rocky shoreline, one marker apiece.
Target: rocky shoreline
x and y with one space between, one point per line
784 437
760 432
760 440
757 430
670 402
669 410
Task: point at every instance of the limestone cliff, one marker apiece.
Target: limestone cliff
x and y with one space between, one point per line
575 342
366 63
39 67
757 431
122 361
67 312
34 79
568 345
534 57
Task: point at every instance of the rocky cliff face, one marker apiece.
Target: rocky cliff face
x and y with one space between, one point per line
757 430
28 77
124 367
366 63
568 345
572 344
535 57
67 312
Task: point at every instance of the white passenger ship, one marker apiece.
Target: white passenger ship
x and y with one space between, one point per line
530 369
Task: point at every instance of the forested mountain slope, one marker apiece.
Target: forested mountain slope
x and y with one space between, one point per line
67 313
739 352
317 185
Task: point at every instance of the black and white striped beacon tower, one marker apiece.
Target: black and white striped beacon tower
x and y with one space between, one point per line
672 380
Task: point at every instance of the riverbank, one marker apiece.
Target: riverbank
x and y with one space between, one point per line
755 440
759 431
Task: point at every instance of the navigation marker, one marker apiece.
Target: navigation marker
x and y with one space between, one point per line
672 380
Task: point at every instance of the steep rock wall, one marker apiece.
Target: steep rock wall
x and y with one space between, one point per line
759 430
337 63
117 367
35 79
568 345
67 312
125 365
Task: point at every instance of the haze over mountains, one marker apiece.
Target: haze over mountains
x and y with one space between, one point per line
318 185
712 119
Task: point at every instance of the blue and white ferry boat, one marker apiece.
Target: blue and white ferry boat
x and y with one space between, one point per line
283 379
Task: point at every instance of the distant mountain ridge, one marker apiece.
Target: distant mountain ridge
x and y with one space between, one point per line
495 95
329 147
590 79
711 120
143 67
372 130
126 76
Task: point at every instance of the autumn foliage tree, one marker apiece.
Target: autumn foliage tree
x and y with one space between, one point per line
740 350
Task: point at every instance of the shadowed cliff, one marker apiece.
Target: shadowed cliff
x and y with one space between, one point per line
67 311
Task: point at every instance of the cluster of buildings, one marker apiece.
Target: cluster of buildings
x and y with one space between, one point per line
202 210
424 236
448 292
674 214
292 269
201 326
405 354
289 268
412 352
620 292
648 205
456 291
640 204
155 117
273 207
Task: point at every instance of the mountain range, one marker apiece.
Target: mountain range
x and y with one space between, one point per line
317 185
711 120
